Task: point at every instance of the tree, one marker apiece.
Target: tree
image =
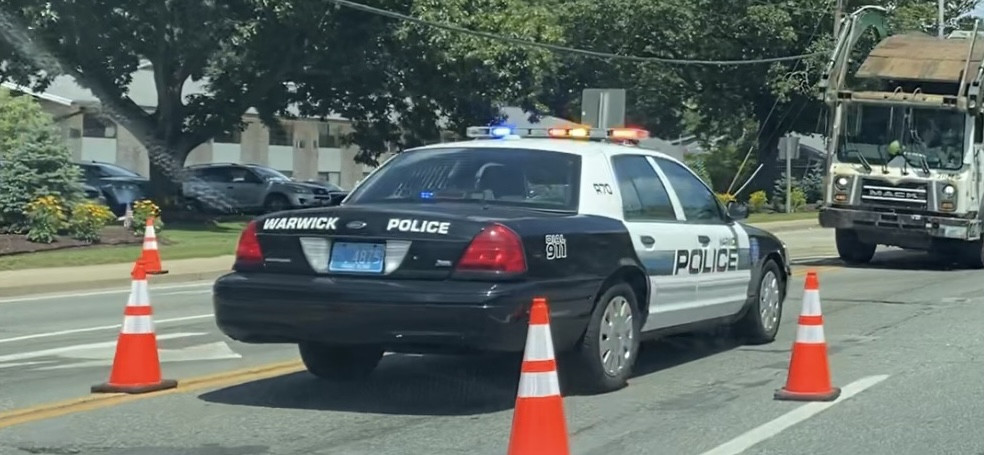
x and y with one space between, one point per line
34 161
274 55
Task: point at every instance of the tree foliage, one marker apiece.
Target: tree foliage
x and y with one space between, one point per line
34 161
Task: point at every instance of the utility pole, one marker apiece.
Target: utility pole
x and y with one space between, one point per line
838 14
940 33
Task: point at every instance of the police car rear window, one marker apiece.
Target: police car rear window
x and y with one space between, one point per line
495 176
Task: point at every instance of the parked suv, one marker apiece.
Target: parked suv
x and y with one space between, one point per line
248 188
117 185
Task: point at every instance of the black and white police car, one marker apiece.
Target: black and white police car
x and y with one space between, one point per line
443 247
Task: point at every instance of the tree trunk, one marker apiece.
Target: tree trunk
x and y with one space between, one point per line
167 172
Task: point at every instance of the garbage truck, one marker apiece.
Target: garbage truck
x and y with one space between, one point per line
904 141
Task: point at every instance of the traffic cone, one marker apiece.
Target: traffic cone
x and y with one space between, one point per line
136 366
539 426
809 372
150 255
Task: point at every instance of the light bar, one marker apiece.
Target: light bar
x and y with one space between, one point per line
575 132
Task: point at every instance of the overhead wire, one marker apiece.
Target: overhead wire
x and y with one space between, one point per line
564 49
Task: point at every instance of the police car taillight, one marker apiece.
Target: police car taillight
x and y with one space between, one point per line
248 252
496 249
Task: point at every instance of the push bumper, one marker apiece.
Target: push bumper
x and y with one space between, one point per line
914 225
402 316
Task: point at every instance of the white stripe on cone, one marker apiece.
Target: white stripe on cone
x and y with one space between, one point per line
139 296
137 325
811 303
810 334
539 343
150 244
539 385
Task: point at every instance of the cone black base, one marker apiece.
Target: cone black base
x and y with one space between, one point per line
785 395
109 388
159 272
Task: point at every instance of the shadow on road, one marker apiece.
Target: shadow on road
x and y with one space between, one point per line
437 385
891 260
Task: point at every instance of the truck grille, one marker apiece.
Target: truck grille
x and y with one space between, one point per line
906 195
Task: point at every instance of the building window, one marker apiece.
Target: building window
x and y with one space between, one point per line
327 136
93 126
284 135
334 178
234 137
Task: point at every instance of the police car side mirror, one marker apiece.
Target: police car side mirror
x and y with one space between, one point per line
737 211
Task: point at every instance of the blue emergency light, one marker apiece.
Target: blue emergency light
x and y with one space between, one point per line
500 131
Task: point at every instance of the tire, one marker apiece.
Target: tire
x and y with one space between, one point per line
972 254
340 363
758 328
851 249
276 203
588 372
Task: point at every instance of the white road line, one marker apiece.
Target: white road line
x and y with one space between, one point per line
783 422
78 347
96 329
153 290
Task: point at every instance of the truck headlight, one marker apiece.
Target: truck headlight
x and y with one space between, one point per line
841 182
949 191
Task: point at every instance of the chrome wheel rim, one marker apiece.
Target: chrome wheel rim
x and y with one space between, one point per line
615 339
769 301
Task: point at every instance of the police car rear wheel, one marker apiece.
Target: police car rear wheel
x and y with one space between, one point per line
607 353
340 363
761 323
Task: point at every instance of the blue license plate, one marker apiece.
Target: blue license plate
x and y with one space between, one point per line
357 257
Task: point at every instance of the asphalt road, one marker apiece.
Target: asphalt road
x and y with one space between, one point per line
904 336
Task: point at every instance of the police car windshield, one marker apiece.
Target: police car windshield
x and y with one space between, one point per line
495 176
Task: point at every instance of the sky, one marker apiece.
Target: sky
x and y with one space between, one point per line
979 10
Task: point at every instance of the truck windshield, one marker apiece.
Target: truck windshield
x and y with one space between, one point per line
880 133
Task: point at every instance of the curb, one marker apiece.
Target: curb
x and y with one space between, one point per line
171 278
123 282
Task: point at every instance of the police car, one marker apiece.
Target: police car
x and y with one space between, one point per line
443 247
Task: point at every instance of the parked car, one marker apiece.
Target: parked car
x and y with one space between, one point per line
248 188
336 192
119 186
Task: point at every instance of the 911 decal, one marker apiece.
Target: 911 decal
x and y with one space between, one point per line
412 225
556 246
706 260
301 223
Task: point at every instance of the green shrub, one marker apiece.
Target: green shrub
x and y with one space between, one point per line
34 162
87 220
797 199
757 201
45 219
143 209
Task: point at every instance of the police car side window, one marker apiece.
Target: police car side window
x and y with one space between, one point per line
644 197
699 203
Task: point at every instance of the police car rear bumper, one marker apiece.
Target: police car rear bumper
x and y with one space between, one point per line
400 315
900 223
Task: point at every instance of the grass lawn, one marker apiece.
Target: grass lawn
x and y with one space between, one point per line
176 241
769 217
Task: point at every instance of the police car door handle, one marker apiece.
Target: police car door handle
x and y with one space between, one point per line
647 240
703 239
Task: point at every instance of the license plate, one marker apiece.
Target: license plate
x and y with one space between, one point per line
357 257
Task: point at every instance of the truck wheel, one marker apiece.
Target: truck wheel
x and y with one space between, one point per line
761 322
340 363
973 254
605 358
851 249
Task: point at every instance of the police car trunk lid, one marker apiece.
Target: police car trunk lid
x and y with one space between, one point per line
392 241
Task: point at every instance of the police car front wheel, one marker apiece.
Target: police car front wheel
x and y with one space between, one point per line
340 363
760 323
607 353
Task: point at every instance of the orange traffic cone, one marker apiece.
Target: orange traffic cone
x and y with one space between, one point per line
150 255
539 426
136 366
809 372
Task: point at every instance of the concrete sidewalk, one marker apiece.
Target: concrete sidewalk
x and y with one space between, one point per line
62 279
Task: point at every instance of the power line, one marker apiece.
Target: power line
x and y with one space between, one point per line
557 48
